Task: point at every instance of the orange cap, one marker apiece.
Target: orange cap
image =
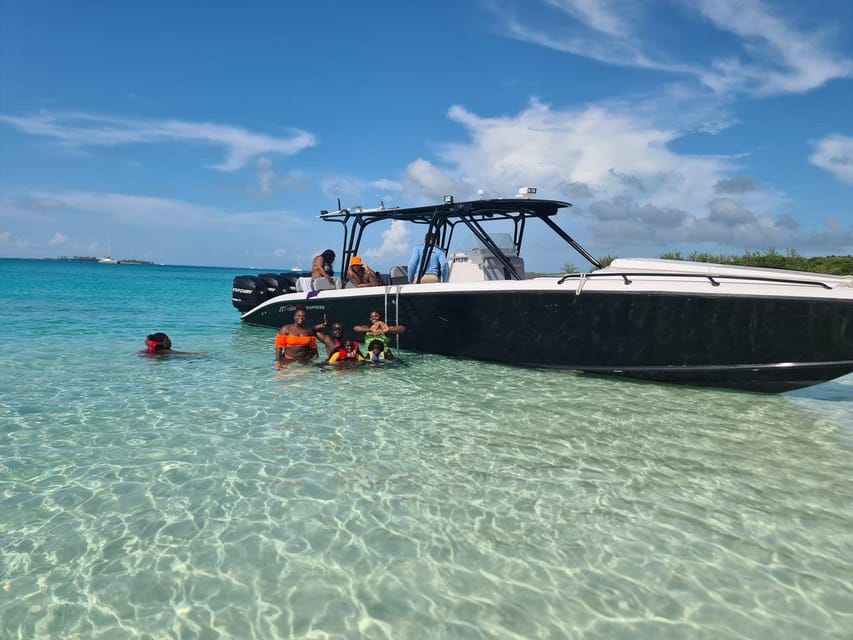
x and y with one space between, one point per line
356 261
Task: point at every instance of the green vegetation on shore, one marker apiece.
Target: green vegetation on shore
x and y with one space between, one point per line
94 259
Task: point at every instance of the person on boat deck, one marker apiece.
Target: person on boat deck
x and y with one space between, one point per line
340 348
437 268
159 344
361 275
296 342
322 267
379 330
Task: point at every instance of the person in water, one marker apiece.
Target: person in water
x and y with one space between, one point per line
340 348
348 352
378 330
376 352
322 266
159 344
360 275
297 343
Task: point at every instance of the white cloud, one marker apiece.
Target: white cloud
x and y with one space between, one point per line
591 30
80 130
395 242
780 57
168 215
620 224
268 182
619 168
766 55
5 236
353 191
159 229
58 240
425 179
604 152
835 154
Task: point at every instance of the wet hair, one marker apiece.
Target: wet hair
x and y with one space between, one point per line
375 343
157 342
337 324
328 255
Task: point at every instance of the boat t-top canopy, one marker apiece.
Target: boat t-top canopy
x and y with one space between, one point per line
441 220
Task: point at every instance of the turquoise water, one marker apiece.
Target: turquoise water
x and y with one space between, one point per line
217 497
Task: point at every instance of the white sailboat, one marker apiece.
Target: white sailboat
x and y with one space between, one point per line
108 259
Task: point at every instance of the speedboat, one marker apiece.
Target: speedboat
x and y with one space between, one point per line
670 321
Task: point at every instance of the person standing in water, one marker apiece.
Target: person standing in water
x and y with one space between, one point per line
296 342
379 330
340 348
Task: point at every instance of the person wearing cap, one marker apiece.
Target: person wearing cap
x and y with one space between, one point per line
322 267
361 275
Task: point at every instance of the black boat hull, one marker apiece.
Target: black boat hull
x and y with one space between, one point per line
759 343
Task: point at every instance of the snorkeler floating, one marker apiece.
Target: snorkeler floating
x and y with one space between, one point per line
159 344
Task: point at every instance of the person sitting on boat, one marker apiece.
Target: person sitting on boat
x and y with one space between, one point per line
437 269
296 342
159 344
322 267
361 275
340 348
379 330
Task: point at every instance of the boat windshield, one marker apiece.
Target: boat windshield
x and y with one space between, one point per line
502 240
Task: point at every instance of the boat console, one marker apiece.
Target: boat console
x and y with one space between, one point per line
474 262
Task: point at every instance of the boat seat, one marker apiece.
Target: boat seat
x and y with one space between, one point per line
303 284
398 275
321 284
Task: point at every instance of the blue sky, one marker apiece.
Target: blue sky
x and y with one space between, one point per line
213 133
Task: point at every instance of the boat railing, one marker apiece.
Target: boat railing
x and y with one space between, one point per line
712 277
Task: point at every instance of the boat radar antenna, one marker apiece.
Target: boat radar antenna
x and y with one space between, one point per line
526 192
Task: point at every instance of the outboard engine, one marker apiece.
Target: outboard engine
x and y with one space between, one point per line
288 280
274 284
247 292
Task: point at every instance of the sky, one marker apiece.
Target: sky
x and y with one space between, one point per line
213 133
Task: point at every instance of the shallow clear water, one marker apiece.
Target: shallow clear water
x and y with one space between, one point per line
216 497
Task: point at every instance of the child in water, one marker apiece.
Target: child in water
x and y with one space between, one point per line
377 352
348 350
